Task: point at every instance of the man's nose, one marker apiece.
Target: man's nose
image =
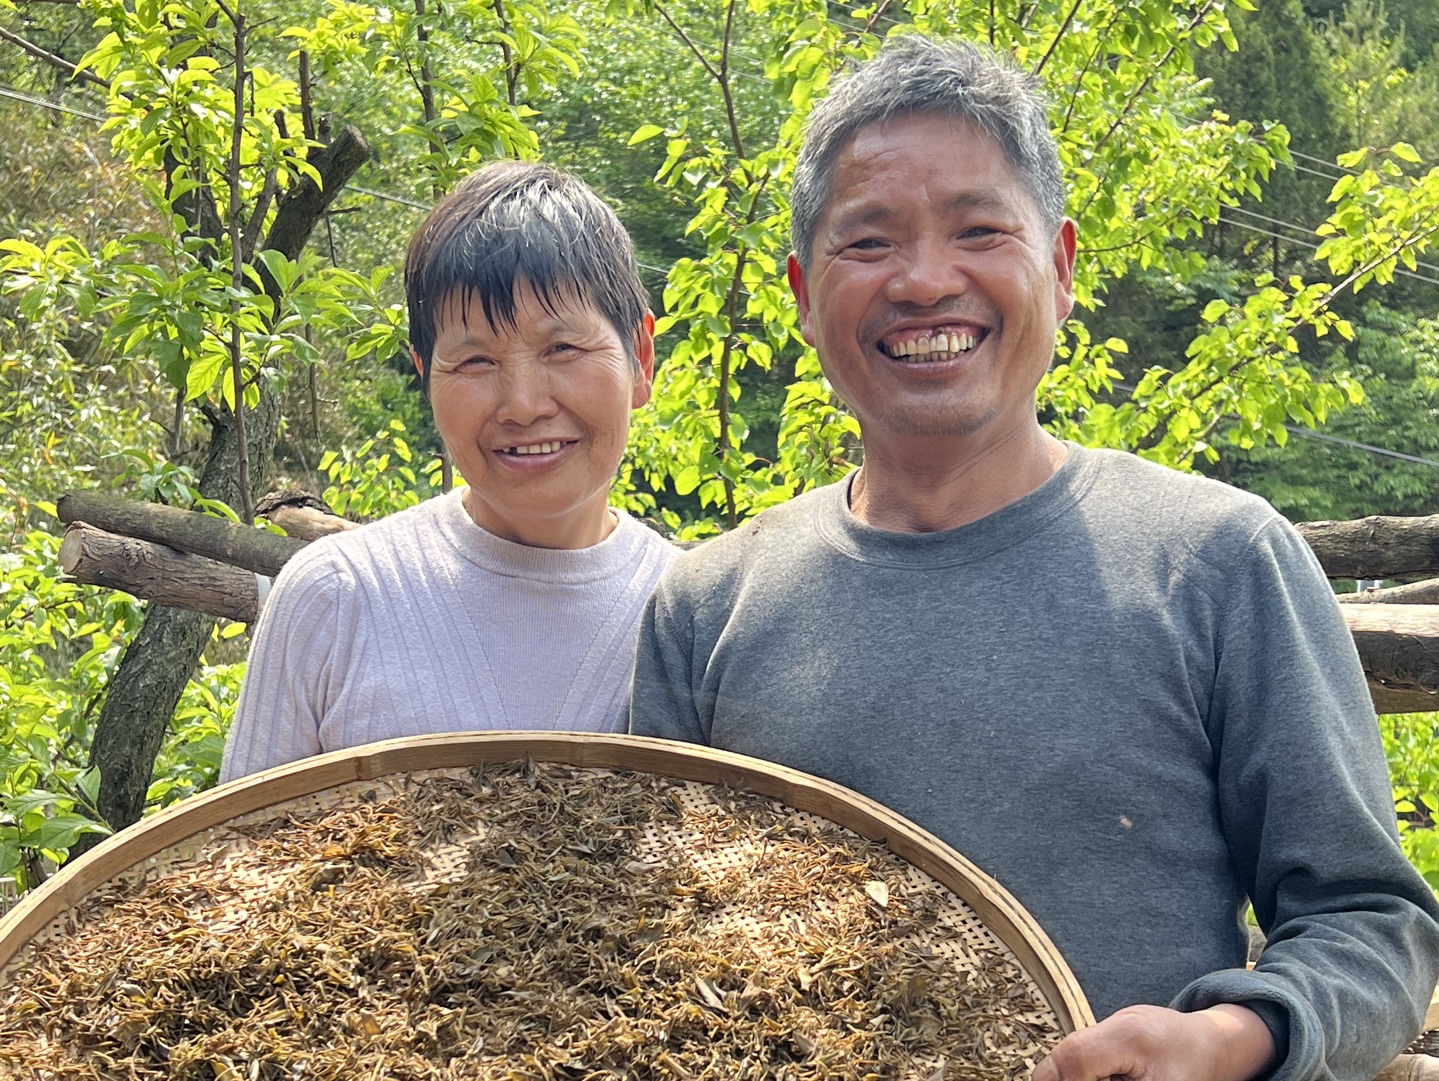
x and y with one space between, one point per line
526 393
929 272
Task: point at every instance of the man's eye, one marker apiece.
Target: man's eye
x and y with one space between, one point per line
869 243
978 232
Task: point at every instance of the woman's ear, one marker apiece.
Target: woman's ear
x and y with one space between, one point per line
645 360
419 364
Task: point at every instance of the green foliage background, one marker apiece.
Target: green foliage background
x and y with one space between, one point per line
1240 176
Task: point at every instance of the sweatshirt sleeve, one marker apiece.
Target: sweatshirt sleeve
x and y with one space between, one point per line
290 668
1307 807
663 698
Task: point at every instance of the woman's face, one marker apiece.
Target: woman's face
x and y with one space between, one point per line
536 416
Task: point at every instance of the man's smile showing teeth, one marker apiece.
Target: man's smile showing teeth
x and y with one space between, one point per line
930 345
534 448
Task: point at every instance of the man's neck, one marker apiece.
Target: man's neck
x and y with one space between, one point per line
916 489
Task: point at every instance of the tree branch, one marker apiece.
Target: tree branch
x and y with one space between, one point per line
304 205
256 550
512 70
154 572
1058 35
237 265
425 81
1155 70
51 59
251 233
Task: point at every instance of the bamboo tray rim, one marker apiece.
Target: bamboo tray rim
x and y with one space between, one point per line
995 906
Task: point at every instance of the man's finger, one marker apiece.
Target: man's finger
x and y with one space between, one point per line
1091 1054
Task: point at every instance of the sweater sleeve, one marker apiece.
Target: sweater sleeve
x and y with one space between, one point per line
1308 812
663 696
291 663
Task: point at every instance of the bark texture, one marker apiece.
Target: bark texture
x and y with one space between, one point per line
155 667
156 572
239 546
1375 547
1425 592
1399 648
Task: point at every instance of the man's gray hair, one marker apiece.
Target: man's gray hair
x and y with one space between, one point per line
914 74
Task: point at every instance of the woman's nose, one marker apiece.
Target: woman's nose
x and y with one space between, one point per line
526 394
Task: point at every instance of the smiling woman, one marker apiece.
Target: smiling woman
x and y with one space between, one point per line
514 602
536 413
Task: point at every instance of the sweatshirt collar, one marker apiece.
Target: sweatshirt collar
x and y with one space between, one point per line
1023 519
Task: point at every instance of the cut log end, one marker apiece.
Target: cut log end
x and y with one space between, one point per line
72 548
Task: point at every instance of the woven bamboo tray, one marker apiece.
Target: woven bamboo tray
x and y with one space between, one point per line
977 923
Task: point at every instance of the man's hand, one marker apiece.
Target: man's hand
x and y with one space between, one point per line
1151 1043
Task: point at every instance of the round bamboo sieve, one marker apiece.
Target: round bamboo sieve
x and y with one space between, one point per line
978 917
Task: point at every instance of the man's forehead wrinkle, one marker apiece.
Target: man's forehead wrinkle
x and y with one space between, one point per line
869 212
986 199
873 211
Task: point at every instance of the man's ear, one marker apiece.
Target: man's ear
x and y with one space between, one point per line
800 288
645 359
1065 244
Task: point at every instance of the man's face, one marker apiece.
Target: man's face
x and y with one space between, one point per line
934 287
536 415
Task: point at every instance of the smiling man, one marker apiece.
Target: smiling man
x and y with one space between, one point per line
1124 692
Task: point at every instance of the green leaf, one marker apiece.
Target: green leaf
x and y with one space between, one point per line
61 831
645 133
1214 310
687 480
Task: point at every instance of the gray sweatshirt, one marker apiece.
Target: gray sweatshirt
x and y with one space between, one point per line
1130 697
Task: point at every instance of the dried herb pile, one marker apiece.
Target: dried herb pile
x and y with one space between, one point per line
523 922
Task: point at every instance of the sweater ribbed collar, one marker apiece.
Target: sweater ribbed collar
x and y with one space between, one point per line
1018 522
617 555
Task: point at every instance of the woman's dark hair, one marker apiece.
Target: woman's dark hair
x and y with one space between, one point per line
513 221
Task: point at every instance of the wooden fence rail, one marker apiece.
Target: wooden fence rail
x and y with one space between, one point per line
190 560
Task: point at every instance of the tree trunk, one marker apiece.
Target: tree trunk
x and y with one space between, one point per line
1398 646
1425 592
255 550
156 666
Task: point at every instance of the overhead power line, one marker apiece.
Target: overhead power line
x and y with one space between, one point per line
1289 240
1324 437
386 197
1309 433
1310 235
1307 233
45 103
